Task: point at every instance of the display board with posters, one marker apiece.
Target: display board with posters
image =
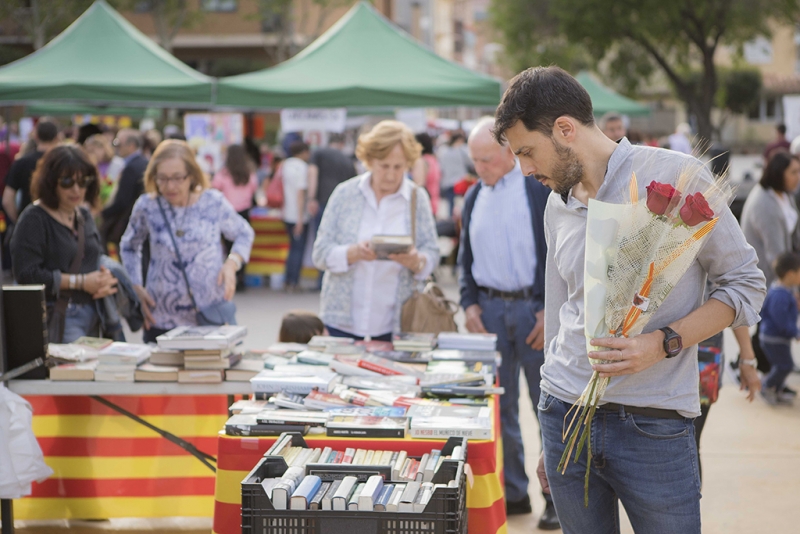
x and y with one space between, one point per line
210 134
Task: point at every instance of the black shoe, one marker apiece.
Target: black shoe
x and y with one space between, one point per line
520 507
789 391
549 519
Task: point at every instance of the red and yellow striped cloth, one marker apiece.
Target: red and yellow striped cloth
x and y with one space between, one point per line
485 499
270 247
107 465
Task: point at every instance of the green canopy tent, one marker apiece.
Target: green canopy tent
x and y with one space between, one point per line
363 60
61 109
103 59
605 99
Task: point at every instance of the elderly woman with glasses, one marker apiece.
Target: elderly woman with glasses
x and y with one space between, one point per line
56 243
179 210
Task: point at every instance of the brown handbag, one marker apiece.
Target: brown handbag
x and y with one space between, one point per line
427 311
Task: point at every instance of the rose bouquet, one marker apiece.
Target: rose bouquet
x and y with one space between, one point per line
636 252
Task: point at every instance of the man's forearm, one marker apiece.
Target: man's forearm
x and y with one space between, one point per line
709 319
10 203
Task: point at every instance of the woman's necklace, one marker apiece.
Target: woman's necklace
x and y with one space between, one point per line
67 219
179 226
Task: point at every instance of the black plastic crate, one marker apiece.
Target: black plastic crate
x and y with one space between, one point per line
445 513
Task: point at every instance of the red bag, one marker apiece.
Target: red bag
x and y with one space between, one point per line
275 189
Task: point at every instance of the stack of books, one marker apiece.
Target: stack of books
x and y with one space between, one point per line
458 341
430 421
207 350
368 422
297 379
413 342
77 361
118 362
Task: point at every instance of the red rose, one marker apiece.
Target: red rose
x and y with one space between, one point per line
696 210
661 197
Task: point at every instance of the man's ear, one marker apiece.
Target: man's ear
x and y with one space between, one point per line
565 129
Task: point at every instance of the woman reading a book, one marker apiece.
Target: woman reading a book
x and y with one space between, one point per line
362 293
55 243
183 219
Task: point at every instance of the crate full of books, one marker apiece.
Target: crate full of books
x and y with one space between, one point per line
301 490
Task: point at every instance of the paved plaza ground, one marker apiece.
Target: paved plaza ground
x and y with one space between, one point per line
750 452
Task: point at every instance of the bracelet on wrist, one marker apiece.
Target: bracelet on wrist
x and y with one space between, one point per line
72 281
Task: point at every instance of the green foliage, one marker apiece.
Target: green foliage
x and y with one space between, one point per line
740 89
635 37
42 20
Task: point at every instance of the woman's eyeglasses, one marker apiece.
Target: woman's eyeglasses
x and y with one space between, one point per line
67 182
164 180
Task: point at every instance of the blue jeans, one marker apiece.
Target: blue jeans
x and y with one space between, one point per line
648 463
81 320
512 321
781 364
297 247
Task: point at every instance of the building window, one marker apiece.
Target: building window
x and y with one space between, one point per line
219 6
458 36
758 51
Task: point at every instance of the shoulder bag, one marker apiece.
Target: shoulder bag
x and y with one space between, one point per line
275 189
58 315
427 311
217 314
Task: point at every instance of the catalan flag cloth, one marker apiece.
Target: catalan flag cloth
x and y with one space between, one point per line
108 465
485 498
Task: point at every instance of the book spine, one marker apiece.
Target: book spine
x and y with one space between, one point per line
372 366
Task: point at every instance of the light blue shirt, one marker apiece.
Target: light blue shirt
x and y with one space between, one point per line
501 234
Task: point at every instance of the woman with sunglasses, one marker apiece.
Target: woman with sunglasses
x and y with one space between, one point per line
179 210
46 245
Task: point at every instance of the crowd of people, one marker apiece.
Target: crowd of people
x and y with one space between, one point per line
516 188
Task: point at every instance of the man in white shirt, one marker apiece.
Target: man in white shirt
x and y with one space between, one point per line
295 214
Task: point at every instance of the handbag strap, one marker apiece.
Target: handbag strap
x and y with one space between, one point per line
414 215
177 251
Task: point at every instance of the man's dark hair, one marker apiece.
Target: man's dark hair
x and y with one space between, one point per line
773 175
786 263
336 138
297 148
537 97
781 129
60 162
46 131
456 137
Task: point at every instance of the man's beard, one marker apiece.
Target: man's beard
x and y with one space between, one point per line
568 170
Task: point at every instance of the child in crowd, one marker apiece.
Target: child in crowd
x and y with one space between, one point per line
300 326
779 327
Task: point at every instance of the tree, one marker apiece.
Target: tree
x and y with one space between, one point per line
279 17
169 17
42 20
677 37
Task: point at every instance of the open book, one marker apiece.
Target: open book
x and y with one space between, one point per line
383 245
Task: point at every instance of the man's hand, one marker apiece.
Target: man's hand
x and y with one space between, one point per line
313 207
628 355
749 381
536 338
542 475
474 323
298 230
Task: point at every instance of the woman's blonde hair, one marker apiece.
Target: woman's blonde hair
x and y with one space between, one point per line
378 142
100 141
169 149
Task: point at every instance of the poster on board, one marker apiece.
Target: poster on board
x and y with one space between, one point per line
210 134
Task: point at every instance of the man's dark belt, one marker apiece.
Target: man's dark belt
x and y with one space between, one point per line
648 412
520 294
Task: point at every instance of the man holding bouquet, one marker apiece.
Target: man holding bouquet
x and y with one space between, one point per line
642 438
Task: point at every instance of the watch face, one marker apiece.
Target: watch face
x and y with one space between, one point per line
674 345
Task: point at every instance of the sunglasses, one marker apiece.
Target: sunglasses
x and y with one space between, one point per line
67 182
164 180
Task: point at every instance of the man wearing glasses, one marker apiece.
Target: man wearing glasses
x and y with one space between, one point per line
128 144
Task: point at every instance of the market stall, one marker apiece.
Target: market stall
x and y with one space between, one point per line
485 499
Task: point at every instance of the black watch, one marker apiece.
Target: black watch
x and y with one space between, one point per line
673 343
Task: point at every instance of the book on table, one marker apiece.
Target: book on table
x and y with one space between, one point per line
202 337
467 341
367 426
268 381
243 371
197 376
383 245
148 372
80 371
413 341
165 356
247 425
435 426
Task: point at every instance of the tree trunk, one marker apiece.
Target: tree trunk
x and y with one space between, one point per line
39 30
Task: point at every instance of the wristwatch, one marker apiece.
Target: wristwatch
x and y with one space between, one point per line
752 362
673 343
